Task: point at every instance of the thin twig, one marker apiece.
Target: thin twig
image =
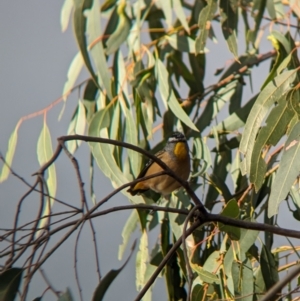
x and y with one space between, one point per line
75 262
84 204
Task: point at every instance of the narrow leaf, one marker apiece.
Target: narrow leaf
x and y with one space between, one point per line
288 171
10 281
204 23
215 105
128 229
178 8
270 134
168 95
181 43
142 258
266 99
107 280
121 32
76 126
269 267
12 142
228 12
73 73
166 6
231 210
103 153
79 23
65 14
66 296
93 28
206 276
237 119
44 154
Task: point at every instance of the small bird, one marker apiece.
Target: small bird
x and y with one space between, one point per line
176 156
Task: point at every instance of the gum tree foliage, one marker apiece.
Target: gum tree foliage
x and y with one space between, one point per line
147 64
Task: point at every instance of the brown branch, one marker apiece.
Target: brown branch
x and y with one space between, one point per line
252 225
281 284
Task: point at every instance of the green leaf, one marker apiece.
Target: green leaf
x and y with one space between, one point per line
79 24
76 126
108 4
217 179
168 95
65 14
103 153
198 292
268 267
166 6
271 9
231 210
10 281
242 274
73 73
211 264
128 229
259 285
107 280
181 43
259 6
266 99
44 154
287 172
121 33
282 47
270 134
93 28
247 239
206 276
179 12
12 142
215 105
237 119
130 124
294 5
198 63
66 296
142 258
176 221
294 193
202 153
229 18
204 23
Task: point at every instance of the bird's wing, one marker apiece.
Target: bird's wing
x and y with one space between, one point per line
149 163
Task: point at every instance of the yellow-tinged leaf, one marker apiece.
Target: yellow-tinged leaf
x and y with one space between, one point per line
12 142
142 258
65 14
76 126
73 73
44 154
